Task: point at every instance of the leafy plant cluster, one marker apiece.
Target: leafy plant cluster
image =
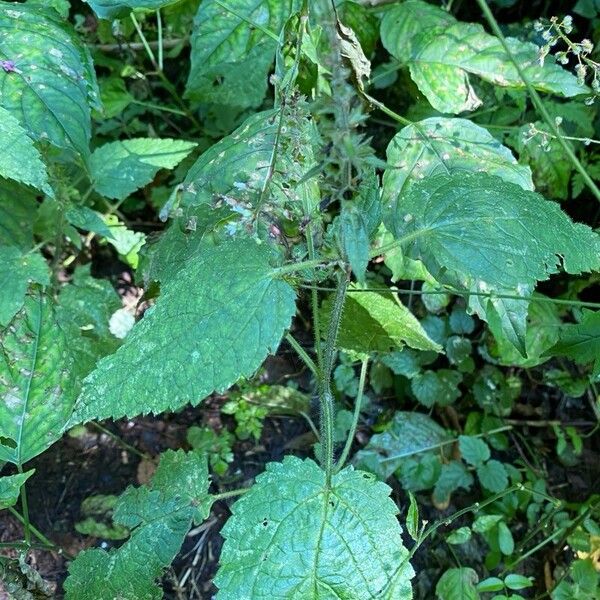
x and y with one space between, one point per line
398 194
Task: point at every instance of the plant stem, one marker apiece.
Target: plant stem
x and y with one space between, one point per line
326 368
142 37
119 441
160 40
25 508
357 405
537 101
230 494
301 352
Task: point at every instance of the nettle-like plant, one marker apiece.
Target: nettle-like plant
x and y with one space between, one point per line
288 206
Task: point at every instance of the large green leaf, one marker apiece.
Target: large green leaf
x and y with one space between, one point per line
17 270
20 159
232 52
49 84
10 487
215 321
378 322
291 536
159 516
111 9
446 146
18 208
581 341
37 390
443 53
457 584
483 234
120 168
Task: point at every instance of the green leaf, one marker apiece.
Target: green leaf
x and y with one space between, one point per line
478 232
96 513
37 386
506 542
18 208
53 84
442 52
581 341
10 487
474 450
513 581
491 584
111 9
436 387
159 516
412 517
457 584
20 159
215 321
446 146
88 219
355 240
125 241
83 310
120 168
17 270
454 475
318 542
492 476
409 434
233 48
460 536
374 322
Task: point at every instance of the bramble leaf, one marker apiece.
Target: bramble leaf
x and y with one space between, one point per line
20 159
440 146
159 516
436 387
379 322
50 84
474 450
10 487
492 476
233 48
215 321
581 341
443 52
112 9
37 387
314 541
120 168
17 270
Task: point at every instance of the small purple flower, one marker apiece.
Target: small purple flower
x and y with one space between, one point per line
8 66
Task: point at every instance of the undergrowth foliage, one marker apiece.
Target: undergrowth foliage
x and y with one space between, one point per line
282 192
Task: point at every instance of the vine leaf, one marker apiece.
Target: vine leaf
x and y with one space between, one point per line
37 389
120 168
50 85
378 322
315 542
112 9
441 146
159 516
443 52
232 50
17 270
480 233
20 159
581 341
10 487
215 321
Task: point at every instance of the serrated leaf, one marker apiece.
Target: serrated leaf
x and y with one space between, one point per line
10 487
355 240
457 584
51 84
125 241
474 450
436 387
17 271
454 475
159 516
374 322
37 387
18 208
120 168
83 310
112 9
215 321
581 341
446 146
409 434
478 232
232 52
20 159
341 541
88 219
492 476
441 52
